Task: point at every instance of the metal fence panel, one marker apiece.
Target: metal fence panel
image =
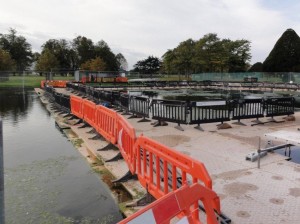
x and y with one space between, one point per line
279 106
139 105
209 112
247 108
169 110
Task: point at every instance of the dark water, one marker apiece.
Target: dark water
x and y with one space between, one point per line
46 179
294 155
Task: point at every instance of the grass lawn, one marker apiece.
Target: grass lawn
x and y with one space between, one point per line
29 81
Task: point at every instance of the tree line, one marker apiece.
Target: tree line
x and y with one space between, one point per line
208 54
80 53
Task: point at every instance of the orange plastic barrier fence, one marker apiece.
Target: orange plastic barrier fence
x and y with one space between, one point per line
107 123
83 79
159 167
126 141
180 202
121 79
89 113
43 84
56 83
77 106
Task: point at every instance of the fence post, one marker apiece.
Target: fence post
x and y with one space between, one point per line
1 176
258 152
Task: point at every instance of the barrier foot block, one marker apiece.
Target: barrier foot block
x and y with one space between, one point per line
257 121
134 116
239 123
62 112
92 131
198 127
68 114
96 137
145 200
127 176
144 120
178 127
108 147
85 125
115 158
78 122
72 117
126 113
159 123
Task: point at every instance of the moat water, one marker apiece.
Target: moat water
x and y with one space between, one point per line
46 180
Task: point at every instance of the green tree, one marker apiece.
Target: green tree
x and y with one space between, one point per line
103 51
239 55
96 64
6 62
184 54
149 65
168 64
122 62
208 54
256 67
18 48
83 50
47 61
61 50
285 55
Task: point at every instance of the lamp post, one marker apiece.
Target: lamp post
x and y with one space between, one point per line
1 176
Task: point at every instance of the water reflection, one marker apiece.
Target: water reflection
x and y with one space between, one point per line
15 104
46 179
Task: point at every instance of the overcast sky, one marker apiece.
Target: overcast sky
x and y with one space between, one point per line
139 28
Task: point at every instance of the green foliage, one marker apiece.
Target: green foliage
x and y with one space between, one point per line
208 54
285 56
6 62
96 64
18 48
257 67
103 51
47 61
62 51
84 49
149 65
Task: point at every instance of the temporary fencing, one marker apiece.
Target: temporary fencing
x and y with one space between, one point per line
169 110
139 106
161 169
180 203
77 106
89 113
247 108
126 141
54 83
208 112
279 106
107 123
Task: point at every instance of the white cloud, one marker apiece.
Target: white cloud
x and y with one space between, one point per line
138 28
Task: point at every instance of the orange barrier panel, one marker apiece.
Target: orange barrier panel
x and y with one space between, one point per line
56 83
106 122
160 167
43 84
89 113
77 106
126 140
121 79
179 202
